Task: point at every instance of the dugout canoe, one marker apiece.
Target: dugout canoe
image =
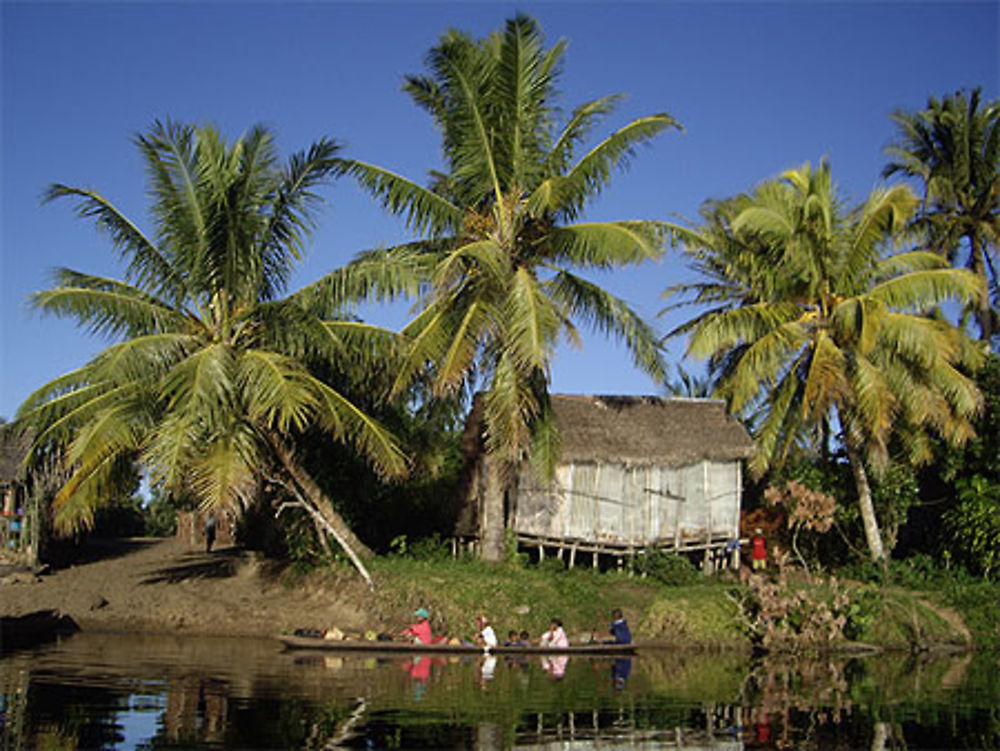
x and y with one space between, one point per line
359 645
18 632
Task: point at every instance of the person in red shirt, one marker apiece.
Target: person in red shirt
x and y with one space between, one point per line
759 552
420 632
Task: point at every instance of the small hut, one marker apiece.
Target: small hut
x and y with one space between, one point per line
635 472
19 530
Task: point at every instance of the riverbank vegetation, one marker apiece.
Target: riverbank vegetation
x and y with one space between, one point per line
778 612
839 332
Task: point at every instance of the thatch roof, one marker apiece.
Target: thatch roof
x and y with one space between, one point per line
647 430
642 430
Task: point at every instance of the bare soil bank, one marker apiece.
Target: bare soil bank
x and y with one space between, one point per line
163 585
166 586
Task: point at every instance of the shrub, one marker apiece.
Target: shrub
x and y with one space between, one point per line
430 548
973 526
666 568
779 615
863 607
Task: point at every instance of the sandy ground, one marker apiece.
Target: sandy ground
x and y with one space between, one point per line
163 585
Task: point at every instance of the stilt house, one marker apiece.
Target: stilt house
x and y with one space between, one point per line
18 507
635 472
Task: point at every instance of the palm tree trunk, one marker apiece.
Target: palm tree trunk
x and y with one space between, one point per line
984 311
868 519
491 521
321 509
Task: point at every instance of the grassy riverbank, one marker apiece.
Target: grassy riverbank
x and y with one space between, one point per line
151 585
527 597
697 612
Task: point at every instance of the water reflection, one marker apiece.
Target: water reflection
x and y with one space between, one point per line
122 692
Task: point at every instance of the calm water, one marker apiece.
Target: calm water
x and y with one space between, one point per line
107 691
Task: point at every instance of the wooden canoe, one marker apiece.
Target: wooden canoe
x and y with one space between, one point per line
358 645
33 628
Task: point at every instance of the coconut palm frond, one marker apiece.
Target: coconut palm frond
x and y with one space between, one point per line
422 210
577 128
378 275
605 244
368 436
105 306
546 443
227 472
922 290
147 267
609 315
589 176
532 324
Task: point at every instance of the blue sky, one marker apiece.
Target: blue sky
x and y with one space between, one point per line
759 87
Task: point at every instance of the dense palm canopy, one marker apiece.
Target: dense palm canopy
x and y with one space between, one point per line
208 374
499 233
953 148
809 324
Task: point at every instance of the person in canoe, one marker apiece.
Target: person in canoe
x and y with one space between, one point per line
517 640
419 632
485 635
555 636
619 628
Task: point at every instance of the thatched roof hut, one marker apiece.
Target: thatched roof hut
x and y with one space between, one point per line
647 430
634 472
18 513
14 447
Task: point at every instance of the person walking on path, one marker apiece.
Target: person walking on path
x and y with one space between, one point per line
211 524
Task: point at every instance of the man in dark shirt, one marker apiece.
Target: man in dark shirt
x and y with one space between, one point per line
619 628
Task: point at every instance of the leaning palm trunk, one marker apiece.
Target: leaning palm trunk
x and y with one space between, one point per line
316 503
868 518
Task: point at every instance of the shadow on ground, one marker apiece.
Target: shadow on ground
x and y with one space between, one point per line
66 553
218 565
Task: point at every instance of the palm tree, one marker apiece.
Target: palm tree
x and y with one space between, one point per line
689 385
809 325
498 238
953 148
207 379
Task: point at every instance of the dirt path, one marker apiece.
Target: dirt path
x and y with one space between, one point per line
164 585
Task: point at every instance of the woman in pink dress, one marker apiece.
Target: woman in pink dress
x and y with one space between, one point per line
555 636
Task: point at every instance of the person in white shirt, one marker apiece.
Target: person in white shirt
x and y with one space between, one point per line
486 636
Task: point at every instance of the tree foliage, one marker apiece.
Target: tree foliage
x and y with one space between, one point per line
209 373
814 332
953 148
499 234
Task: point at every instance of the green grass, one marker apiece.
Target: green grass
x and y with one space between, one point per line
514 597
697 615
979 604
908 619
702 615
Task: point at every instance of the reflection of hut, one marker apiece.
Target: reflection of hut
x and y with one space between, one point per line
18 510
634 472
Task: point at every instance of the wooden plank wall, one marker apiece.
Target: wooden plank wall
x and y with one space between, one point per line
632 506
